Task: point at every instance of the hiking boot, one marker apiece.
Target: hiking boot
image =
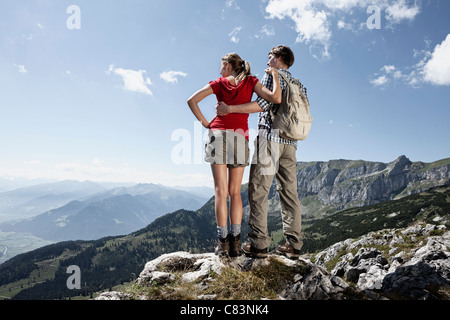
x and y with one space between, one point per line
223 247
235 245
249 250
288 251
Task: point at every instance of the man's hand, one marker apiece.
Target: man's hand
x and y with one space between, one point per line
222 109
272 71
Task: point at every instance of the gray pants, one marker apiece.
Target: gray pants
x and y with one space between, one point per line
274 160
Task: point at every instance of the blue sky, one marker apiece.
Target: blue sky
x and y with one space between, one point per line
98 91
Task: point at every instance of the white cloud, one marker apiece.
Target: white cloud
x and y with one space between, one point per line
399 10
232 4
380 81
21 68
313 19
388 69
98 170
437 69
171 76
344 25
266 31
133 80
33 162
311 23
233 34
433 67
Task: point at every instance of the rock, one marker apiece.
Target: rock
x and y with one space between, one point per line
317 284
372 279
364 254
160 277
427 270
114 295
309 282
421 273
341 184
197 266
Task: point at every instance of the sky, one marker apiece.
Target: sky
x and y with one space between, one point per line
97 90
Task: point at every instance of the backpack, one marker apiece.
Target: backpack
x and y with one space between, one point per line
292 118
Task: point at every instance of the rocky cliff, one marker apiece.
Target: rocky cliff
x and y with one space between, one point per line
326 187
409 263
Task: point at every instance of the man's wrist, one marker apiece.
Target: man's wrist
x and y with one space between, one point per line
231 109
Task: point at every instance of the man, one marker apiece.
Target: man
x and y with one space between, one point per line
270 150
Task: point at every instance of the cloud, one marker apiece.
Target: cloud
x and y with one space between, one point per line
344 25
399 11
313 19
21 68
98 170
33 162
437 69
133 80
171 76
266 31
233 34
231 4
311 23
433 68
380 81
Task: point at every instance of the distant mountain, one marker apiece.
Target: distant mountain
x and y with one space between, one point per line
8 184
327 187
113 212
111 261
199 191
30 201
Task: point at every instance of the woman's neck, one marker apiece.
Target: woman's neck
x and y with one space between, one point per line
232 78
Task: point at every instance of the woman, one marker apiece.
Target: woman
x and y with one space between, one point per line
227 148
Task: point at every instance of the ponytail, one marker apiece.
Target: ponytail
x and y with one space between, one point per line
241 67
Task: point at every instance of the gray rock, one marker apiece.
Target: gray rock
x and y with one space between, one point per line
415 274
114 295
317 284
196 266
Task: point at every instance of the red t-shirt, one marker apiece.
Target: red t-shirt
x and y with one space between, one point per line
233 95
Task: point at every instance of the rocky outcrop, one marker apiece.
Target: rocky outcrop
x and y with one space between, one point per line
307 281
411 263
326 187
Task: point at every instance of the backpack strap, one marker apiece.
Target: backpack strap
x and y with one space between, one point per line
287 79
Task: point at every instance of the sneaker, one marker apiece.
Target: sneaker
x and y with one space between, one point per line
223 247
249 250
288 251
235 245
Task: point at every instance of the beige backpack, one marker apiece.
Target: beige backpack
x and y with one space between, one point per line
292 118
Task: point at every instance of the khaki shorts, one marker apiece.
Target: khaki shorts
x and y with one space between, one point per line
227 147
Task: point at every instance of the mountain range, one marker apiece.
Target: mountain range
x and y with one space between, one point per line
113 261
325 187
340 198
118 211
29 201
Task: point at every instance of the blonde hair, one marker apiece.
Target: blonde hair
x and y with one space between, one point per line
241 67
